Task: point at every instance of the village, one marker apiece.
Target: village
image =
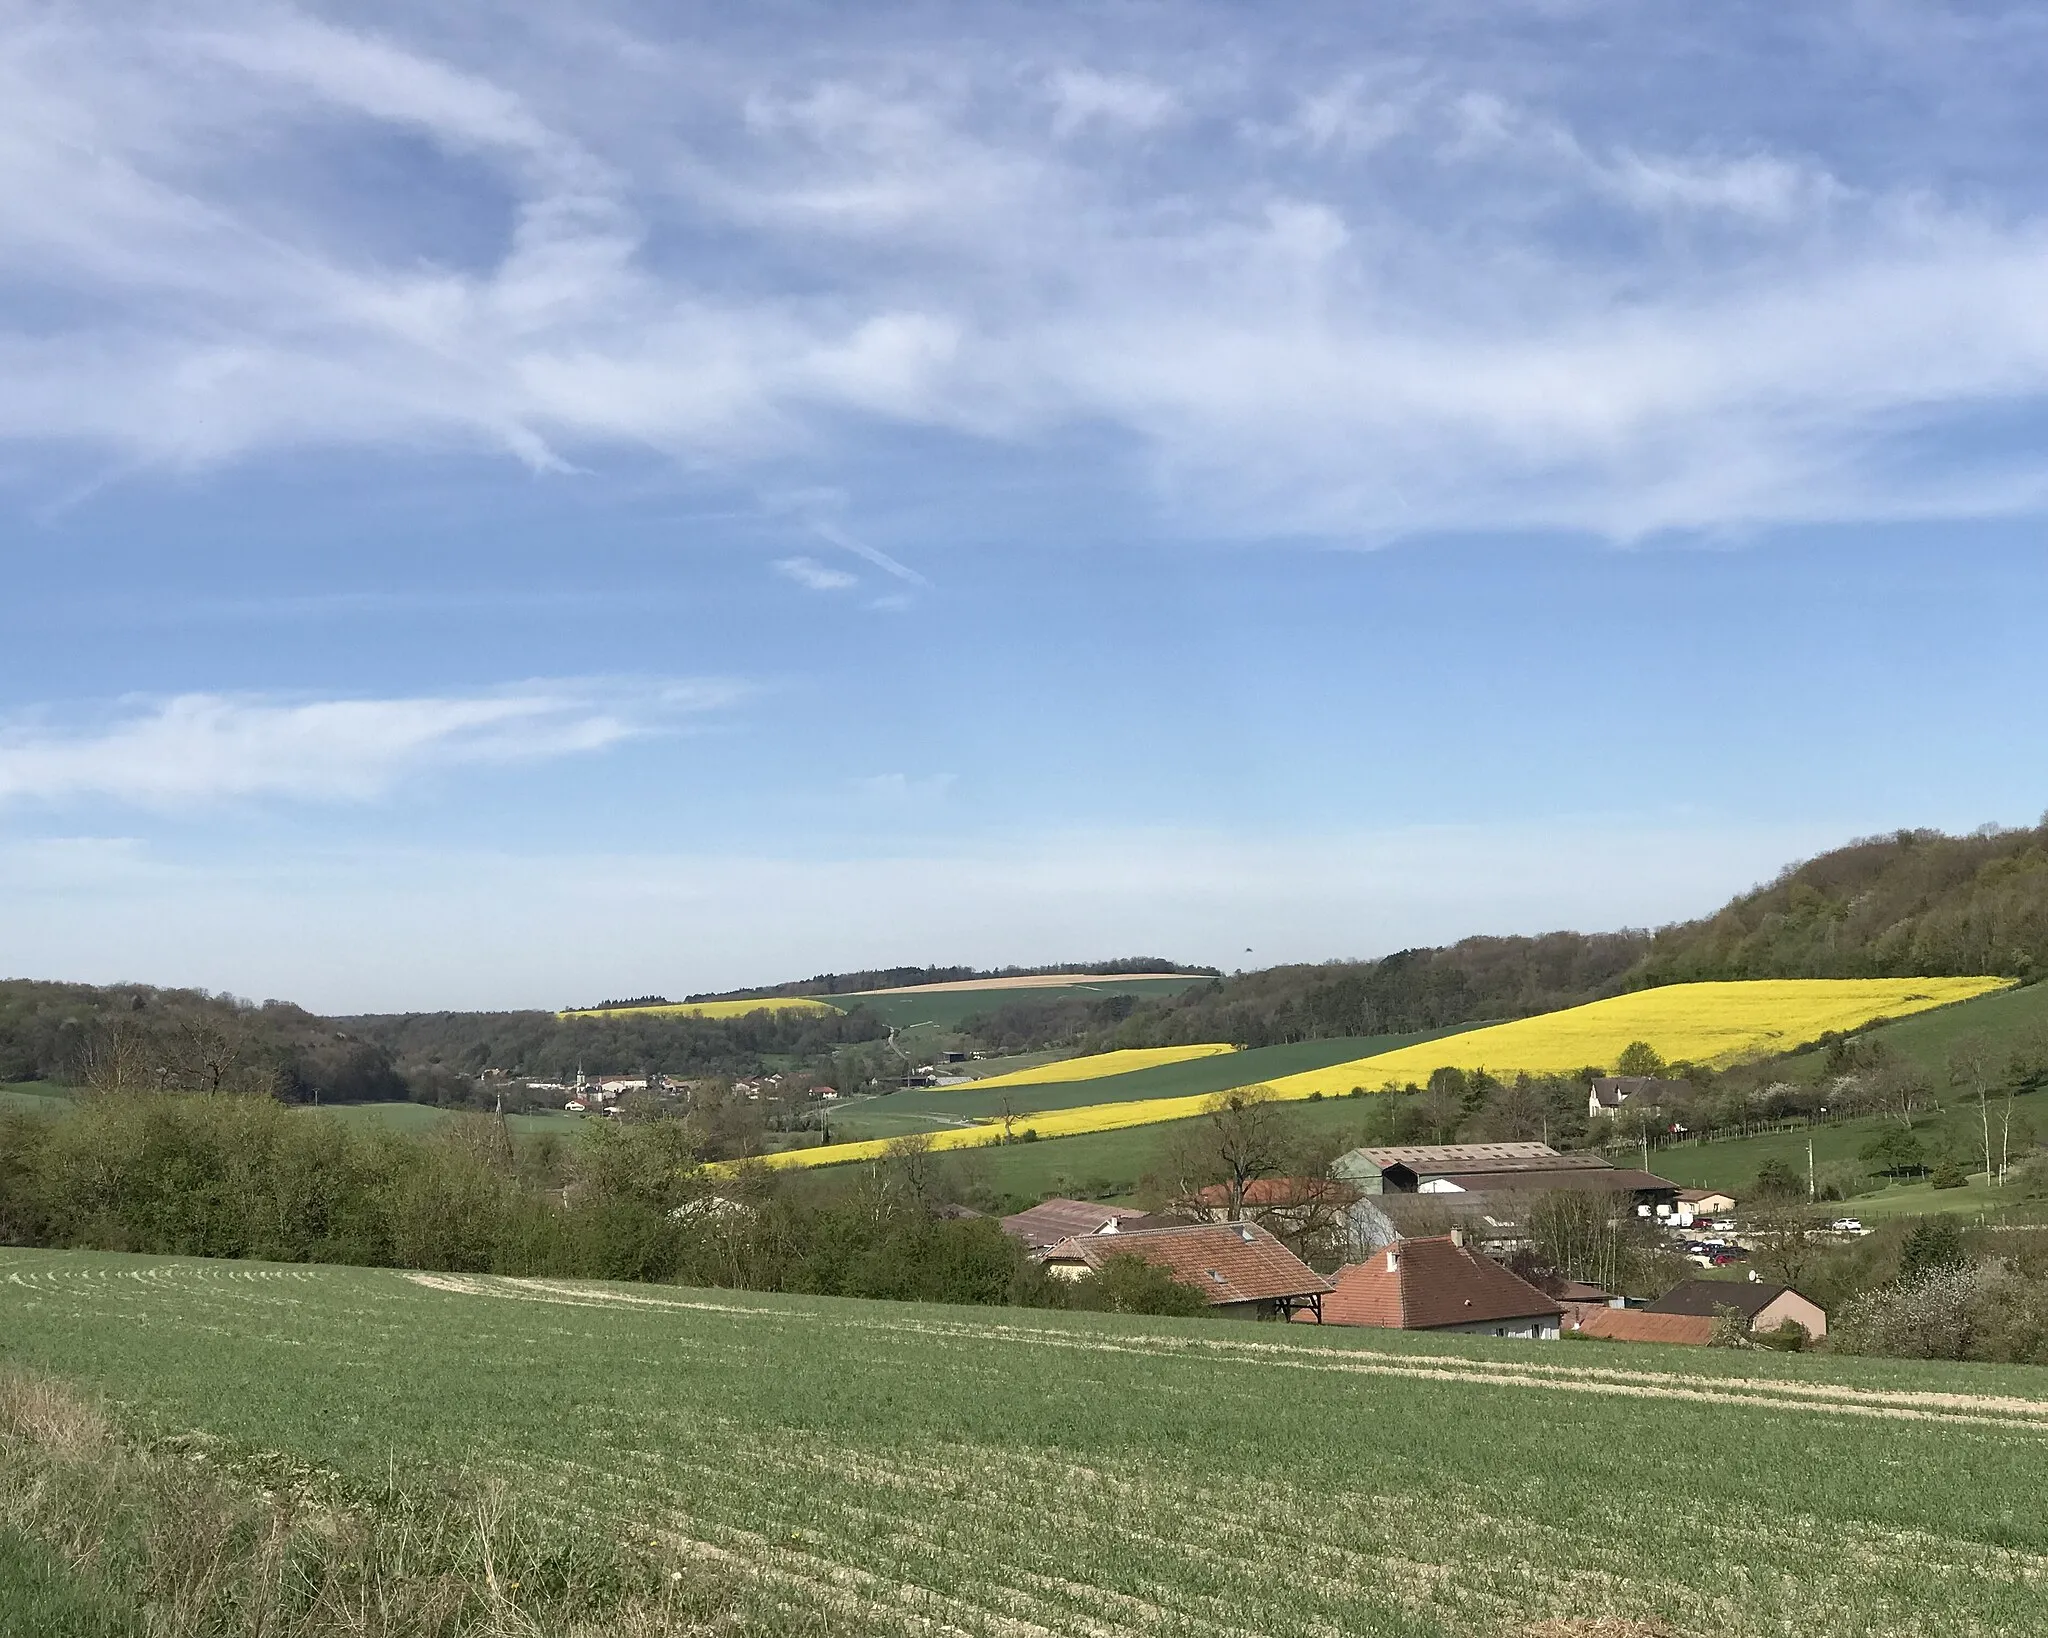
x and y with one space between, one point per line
1222 1241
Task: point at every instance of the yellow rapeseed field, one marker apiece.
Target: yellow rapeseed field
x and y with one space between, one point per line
1098 1064
1716 1024
708 1009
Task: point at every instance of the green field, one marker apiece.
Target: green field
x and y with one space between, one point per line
424 1117
1191 1078
2009 1020
946 1010
38 1097
866 1468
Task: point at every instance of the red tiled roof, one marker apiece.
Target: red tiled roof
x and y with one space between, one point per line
1417 1285
1227 1262
1054 1220
1635 1325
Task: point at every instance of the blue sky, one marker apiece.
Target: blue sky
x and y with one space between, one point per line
503 507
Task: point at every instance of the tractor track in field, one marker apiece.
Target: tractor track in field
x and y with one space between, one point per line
1776 1393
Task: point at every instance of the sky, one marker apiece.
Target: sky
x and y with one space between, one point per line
514 505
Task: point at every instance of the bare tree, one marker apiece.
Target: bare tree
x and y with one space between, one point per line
1240 1138
119 1057
1969 1066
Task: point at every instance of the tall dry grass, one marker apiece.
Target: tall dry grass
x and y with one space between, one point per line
181 1544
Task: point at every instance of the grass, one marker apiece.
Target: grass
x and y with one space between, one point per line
1732 1163
2010 1020
422 1117
36 1097
867 1468
1104 1066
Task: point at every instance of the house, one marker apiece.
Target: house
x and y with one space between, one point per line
1695 1204
1763 1305
1239 1267
1640 1325
1440 1284
1052 1221
1609 1092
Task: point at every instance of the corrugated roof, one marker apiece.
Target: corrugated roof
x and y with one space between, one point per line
1748 1298
1054 1220
1506 1163
1227 1262
1418 1285
1409 1154
1640 1325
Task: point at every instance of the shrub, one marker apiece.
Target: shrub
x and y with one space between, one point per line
1982 1311
1948 1175
1127 1284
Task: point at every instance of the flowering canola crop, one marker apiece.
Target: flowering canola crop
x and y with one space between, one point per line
1714 1023
708 1009
1098 1064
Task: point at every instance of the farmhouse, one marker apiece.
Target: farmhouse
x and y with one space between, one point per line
1694 1204
1609 1092
1639 1325
1764 1305
1051 1221
1440 1284
1239 1267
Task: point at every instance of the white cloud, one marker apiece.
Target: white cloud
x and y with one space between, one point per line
812 575
1083 97
196 750
1442 290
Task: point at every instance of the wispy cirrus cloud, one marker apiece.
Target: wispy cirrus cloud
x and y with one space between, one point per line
197 750
1337 278
812 575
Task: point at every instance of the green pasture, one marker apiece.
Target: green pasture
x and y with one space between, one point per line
1110 1165
871 1468
424 1117
2009 1020
949 1009
35 1097
1955 1129
1191 1078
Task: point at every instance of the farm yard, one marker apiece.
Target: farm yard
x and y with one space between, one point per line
848 1467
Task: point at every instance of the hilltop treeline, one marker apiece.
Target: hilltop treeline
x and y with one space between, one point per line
1906 905
432 1046
135 1037
903 978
